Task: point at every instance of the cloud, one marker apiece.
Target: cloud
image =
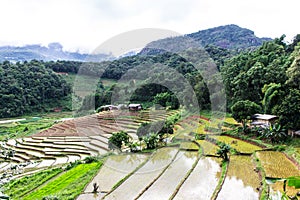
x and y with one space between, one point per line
84 25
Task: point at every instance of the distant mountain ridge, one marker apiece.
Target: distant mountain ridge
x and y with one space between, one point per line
53 52
230 37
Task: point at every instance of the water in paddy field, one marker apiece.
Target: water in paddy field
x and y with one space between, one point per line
242 181
166 184
114 169
143 177
202 181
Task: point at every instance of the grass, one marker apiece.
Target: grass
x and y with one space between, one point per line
207 147
69 185
17 188
31 125
17 130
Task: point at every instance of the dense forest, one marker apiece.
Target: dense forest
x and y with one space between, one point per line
268 77
29 87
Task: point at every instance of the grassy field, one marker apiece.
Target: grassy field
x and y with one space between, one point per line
69 185
17 130
18 188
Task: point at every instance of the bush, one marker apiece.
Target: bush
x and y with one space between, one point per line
151 140
117 139
91 159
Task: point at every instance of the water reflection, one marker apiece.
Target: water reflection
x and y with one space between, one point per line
202 181
242 181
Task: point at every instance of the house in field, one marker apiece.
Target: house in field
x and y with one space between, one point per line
108 108
135 107
263 120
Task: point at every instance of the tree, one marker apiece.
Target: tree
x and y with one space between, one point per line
223 151
288 110
293 72
166 99
243 110
117 139
272 97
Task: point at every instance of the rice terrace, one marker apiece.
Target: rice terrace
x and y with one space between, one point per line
149 113
71 158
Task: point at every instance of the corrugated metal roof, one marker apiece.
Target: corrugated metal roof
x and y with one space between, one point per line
264 116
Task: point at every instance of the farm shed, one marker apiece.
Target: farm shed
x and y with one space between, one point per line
135 107
108 108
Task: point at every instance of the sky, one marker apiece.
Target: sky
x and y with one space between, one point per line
83 25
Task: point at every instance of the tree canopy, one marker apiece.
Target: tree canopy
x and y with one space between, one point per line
29 87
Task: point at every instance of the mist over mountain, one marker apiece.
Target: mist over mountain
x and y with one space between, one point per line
228 37
54 51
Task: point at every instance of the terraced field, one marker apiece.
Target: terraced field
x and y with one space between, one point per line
180 171
239 145
72 140
145 176
241 181
166 184
202 182
277 165
276 190
208 148
116 168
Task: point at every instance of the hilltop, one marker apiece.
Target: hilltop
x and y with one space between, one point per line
228 37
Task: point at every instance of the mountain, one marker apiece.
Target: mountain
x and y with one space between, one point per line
230 37
54 51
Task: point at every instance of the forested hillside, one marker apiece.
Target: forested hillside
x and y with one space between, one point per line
29 87
229 39
269 77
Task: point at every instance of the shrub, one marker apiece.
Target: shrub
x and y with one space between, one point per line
117 139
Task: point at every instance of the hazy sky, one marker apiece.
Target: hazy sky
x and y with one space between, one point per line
85 24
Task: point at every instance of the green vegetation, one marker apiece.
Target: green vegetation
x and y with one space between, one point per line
118 139
274 133
70 184
16 189
223 151
268 77
221 180
243 110
17 130
31 125
30 87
